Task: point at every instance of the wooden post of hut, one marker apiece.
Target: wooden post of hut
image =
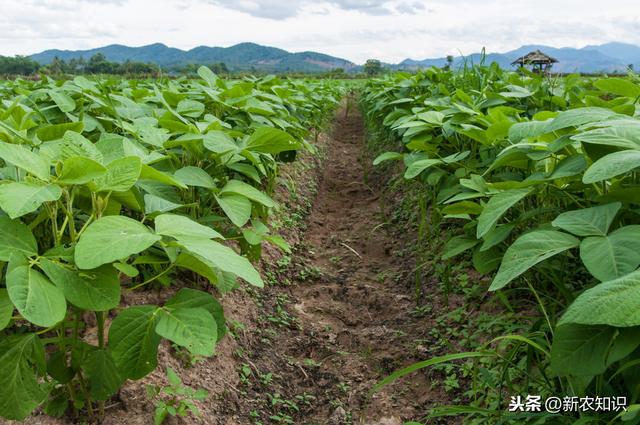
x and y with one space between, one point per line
539 62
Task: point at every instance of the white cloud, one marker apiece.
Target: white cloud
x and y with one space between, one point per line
391 30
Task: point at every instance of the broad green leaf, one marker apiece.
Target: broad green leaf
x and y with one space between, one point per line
150 173
496 207
526 129
155 204
207 75
457 245
417 167
386 157
62 100
580 350
56 131
95 290
272 140
613 303
612 256
35 297
6 308
23 158
192 298
190 108
237 187
80 170
15 236
121 175
110 239
219 142
178 226
224 258
194 176
192 328
495 236
579 116
621 133
618 86
21 357
486 261
134 342
18 199
612 165
103 375
594 221
529 250
193 263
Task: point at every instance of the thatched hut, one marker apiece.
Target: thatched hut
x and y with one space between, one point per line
539 62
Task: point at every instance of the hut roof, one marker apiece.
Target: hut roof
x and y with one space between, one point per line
535 58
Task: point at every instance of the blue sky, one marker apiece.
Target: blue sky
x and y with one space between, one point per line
390 30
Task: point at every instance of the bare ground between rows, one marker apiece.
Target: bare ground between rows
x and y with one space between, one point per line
354 321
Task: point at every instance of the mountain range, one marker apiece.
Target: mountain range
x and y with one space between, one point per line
241 57
610 57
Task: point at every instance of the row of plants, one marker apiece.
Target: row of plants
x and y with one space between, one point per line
111 185
534 178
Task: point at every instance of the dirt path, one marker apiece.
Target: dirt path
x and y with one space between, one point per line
353 321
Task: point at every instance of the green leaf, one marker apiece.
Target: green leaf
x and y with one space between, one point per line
236 207
613 303
529 250
594 221
192 328
149 173
486 261
15 236
496 207
526 129
103 375
579 116
193 263
190 108
620 133
95 290
37 299
192 298
496 236
21 356
219 142
386 157
580 350
612 256
18 199
55 131
134 341
457 245
110 239
237 187
62 100
79 170
121 175
612 165
23 158
618 86
6 308
224 258
178 226
272 140
195 176
155 204
208 75
417 167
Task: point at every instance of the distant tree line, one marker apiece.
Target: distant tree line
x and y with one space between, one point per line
96 64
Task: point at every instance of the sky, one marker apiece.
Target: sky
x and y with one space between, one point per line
389 30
